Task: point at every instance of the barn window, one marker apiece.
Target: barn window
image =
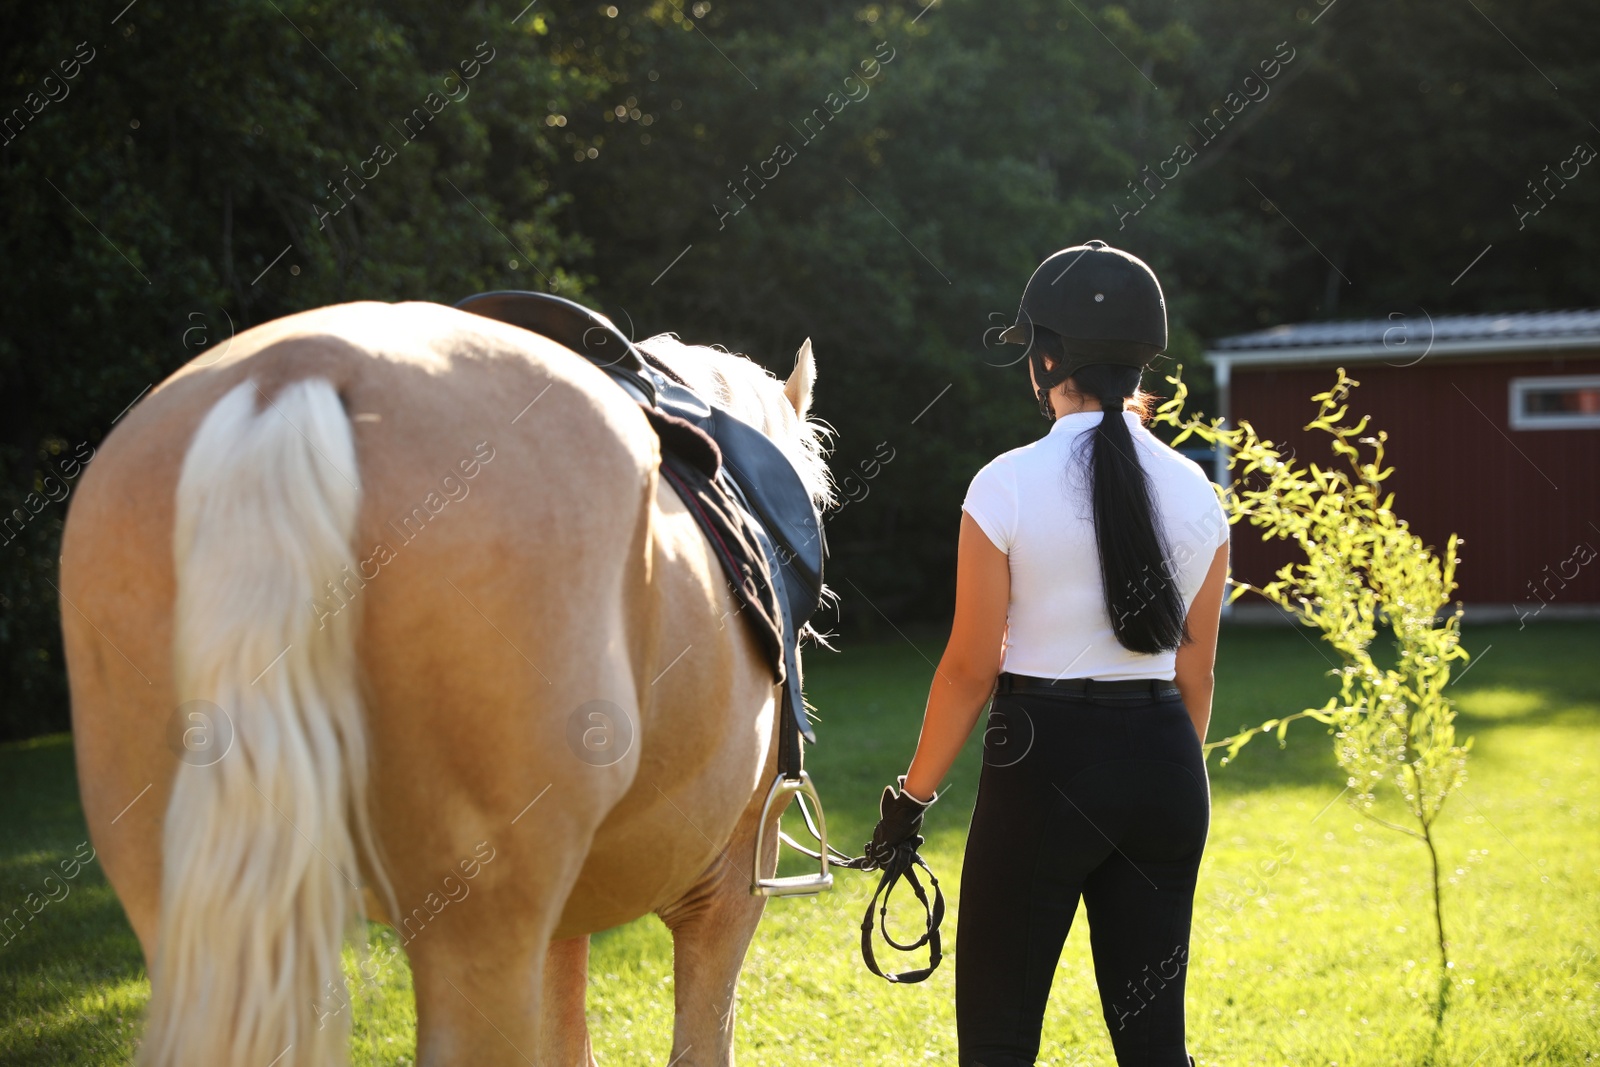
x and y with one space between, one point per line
1555 403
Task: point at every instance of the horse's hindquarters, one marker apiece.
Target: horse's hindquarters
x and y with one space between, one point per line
501 577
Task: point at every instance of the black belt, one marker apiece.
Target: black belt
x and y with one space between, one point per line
1089 688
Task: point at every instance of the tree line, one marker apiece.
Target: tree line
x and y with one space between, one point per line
879 177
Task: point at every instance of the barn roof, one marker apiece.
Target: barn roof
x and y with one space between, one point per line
1410 336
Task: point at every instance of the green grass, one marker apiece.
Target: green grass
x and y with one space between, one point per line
1313 939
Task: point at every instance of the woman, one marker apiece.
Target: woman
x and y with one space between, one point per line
1089 585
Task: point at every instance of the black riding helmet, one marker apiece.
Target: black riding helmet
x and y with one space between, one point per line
1105 305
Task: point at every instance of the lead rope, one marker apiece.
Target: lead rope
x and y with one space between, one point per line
902 864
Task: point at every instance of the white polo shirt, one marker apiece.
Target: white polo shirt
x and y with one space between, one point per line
1034 504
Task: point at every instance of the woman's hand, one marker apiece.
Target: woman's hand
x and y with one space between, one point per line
899 822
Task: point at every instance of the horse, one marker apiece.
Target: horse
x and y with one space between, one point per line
383 611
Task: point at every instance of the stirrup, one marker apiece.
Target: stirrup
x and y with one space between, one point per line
778 797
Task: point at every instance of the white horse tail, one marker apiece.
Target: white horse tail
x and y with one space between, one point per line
267 821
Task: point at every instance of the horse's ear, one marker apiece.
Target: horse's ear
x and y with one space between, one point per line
801 380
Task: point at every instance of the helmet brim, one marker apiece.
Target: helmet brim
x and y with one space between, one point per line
1019 334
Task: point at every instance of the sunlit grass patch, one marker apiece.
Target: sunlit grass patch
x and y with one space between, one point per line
1313 941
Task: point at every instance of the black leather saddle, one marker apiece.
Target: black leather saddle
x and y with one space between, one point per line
747 476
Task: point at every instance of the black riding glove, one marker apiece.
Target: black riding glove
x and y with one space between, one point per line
900 819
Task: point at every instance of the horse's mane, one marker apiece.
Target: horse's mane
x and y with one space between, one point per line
750 392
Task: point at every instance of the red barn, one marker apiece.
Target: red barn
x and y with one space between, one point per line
1494 434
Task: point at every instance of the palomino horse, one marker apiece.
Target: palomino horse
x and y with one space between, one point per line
386 611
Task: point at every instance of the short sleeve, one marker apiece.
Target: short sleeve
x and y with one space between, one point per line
992 503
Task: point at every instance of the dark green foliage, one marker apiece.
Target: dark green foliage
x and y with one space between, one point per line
1394 144
145 207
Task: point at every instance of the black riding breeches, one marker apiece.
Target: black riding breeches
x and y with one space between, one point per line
1104 798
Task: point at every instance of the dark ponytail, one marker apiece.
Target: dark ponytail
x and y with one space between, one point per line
1136 574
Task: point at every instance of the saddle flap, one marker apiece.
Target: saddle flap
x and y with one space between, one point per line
778 498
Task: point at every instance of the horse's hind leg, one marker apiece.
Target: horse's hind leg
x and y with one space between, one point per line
486 856
479 964
563 1030
711 928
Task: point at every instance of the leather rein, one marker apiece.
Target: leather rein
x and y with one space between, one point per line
902 864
